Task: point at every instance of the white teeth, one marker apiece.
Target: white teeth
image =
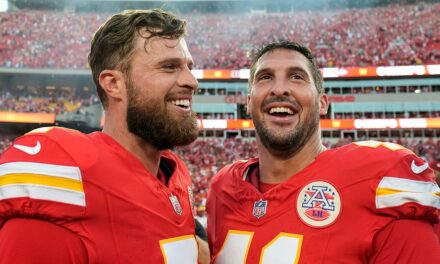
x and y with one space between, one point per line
184 102
281 110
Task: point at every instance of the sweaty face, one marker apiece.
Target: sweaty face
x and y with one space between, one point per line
159 94
284 103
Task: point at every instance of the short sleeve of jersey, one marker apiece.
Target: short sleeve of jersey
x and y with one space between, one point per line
406 241
407 189
30 241
41 175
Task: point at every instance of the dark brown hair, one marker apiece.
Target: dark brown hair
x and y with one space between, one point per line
289 45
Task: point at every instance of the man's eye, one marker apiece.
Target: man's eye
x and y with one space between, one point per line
297 76
263 77
169 66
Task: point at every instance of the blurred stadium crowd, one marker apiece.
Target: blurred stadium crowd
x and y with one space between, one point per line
351 37
40 100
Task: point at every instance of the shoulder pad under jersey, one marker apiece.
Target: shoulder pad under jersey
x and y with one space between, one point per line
41 174
405 185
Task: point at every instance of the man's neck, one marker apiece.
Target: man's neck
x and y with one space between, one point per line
145 152
276 169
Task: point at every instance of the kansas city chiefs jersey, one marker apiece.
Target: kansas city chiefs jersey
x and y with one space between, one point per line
92 186
329 212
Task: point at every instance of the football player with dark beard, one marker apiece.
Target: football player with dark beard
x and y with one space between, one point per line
120 195
297 202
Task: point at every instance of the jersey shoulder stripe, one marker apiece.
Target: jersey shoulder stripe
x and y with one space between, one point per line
42 181
375 144
393 191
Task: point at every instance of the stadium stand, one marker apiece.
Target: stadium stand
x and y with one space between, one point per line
45 99
352 37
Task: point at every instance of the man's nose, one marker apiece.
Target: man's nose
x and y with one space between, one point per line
187 79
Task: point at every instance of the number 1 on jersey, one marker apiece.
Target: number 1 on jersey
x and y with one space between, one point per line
179 250
284 248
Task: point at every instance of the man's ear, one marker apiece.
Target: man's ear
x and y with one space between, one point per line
323 104
113 83
248 105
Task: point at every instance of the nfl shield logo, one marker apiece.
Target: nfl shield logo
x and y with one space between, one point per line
260 208
176 205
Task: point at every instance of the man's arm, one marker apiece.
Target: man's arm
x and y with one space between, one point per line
24 241
202 238
204 256
406 241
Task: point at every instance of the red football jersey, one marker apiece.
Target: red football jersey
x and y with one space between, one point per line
330 212
93 187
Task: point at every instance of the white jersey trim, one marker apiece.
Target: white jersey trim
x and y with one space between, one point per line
68 172
51 182
393 191
43 193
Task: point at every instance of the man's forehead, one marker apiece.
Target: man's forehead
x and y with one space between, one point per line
158 42
158 50
282 58
162 45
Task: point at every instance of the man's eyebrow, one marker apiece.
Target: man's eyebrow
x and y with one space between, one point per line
298 69
289 69
178 61
264 70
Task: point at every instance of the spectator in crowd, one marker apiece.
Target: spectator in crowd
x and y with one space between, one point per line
294 198
4 143
435 166
116 196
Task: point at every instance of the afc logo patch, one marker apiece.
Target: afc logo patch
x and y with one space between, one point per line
318 204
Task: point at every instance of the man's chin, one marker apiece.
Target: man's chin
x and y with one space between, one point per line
184 135
276 141
187 138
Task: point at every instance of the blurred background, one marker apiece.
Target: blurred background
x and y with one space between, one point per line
380 61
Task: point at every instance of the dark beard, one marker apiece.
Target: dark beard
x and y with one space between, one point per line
153 123
295 141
